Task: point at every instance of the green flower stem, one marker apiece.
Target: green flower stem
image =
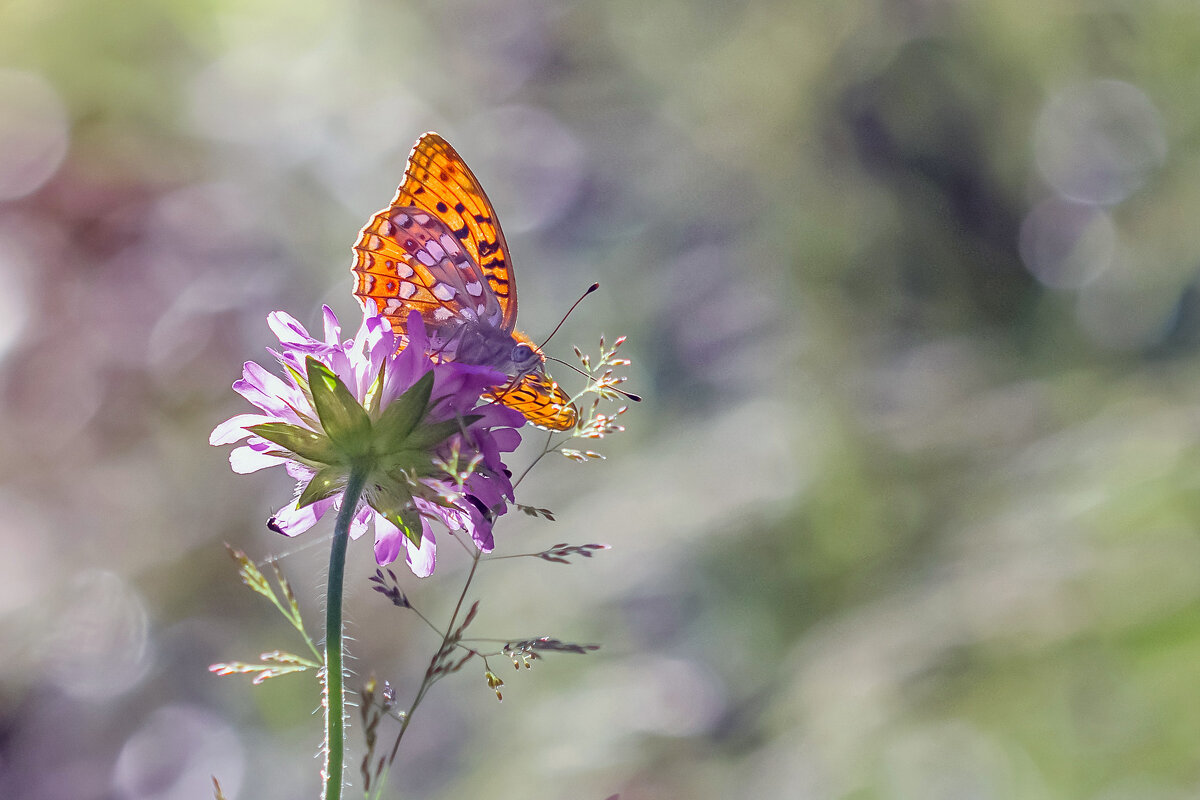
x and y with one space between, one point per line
335 694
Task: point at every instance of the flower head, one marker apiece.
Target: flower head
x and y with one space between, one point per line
413 426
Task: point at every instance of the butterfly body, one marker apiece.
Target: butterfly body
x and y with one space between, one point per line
480 343
438 249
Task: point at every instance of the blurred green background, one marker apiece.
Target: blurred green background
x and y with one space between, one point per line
910 510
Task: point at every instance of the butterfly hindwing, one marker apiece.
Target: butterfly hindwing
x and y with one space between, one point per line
408 259
390 279
541 400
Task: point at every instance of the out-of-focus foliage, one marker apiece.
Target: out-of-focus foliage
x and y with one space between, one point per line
912 507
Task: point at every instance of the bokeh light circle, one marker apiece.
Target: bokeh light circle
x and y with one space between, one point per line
1066 245
33 132
1098 142
100 645
175 755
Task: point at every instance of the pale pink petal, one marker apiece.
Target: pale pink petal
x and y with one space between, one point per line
417 336
388 541
266 381
291 521
287 328
245 460
360 522
423 560
300 472
234 429
333 329
270 393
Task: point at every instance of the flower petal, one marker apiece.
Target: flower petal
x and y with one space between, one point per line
287 328
495 415
301 473
245 460
422 560
417 337
333 328
360 522
388 541
234 429
481 532
291 521
270 393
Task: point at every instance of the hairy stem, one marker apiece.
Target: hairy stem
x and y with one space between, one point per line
335 693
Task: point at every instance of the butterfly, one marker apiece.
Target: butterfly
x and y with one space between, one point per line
438 249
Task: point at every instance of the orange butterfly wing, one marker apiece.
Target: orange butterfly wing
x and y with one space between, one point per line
438 181
394 279
539 398
542 402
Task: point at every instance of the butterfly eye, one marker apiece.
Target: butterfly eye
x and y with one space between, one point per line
521 353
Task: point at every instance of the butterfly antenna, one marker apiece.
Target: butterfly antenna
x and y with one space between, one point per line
637 398
590 289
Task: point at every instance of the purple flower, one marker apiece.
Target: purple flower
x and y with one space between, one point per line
413 426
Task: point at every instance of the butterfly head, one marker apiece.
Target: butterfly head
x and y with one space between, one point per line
476 342
525 358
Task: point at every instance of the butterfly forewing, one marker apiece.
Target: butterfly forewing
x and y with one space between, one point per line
439 250
439 181
436 182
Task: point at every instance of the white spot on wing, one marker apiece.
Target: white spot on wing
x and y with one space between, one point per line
435 250
426 259
421 219
404 270
368 283
475 289
407 289
400 219
449 244
441 314
385 227
393 306
374 243
443 292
